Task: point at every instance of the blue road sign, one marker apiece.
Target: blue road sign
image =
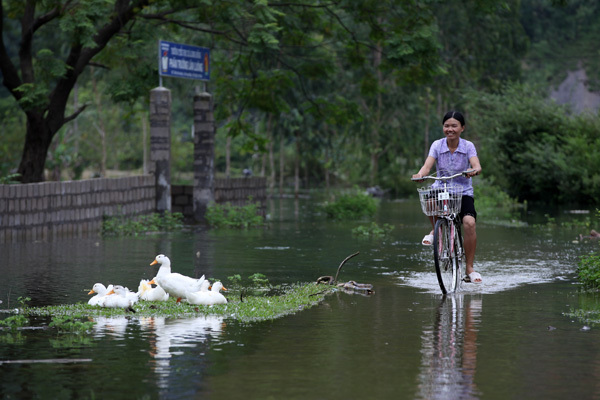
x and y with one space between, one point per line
183 61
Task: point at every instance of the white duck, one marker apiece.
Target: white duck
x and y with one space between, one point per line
173 283
100 291
118 298
147 292
215 296
201 297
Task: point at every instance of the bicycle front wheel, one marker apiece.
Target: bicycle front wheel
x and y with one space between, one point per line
445 257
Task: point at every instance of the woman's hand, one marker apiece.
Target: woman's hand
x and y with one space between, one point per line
473 172
417 178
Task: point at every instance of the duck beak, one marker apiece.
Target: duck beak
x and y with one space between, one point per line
152 282
91 291
112 291
224 288
154 262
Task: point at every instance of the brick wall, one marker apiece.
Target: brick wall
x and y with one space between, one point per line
47 209
233 190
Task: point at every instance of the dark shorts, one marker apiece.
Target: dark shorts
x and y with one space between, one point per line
468 207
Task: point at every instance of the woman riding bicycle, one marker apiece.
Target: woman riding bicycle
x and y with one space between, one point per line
455 154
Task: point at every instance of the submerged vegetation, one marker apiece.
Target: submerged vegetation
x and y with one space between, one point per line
155 222
293 298
589 271
372 230
350 206
230 216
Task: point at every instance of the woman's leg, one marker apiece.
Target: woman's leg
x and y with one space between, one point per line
470 237
432 220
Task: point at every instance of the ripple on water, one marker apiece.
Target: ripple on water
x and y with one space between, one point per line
496 277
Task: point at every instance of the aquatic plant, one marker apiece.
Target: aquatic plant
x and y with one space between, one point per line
230 216
373 230
155 222
70 324
293 298
14 322
351 206
589 271
20 319
259 279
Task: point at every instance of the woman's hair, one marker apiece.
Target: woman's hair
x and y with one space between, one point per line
456 115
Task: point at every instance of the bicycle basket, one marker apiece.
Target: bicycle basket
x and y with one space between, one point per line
440 199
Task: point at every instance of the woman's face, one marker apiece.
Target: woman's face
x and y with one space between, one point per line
453 128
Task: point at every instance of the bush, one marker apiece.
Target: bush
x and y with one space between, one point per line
493 202
351 206
535 149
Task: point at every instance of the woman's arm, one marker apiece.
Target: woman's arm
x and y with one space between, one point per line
475 166
429 163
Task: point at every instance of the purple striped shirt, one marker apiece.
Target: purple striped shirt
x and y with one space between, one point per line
454 162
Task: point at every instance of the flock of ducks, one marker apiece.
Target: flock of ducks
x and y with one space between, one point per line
195 291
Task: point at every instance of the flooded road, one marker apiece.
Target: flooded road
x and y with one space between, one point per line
506 338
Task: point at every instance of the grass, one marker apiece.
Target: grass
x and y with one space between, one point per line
293 298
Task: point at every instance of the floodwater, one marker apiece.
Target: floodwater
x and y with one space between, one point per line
506 338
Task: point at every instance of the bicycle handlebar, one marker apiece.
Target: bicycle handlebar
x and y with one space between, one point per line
442 178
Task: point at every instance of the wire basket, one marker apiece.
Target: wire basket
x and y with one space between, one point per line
440 199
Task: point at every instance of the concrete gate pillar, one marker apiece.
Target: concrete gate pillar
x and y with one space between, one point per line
160 146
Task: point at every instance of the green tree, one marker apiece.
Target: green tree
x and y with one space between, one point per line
59 40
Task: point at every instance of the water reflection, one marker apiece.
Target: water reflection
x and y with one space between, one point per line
110 326
166 336
449 350
169 336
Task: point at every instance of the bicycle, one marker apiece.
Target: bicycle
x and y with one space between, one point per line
443 201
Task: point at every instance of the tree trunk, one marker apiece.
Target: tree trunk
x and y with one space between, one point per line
281 166
37 142
297 167
375 138
228 157
271 158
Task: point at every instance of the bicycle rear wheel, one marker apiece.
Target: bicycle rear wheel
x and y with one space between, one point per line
445 257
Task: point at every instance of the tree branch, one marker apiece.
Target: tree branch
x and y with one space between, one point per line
75 114
9 71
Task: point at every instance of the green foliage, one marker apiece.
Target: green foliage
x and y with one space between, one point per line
259 279
351 206
70 324
533 149
20 319
373 230
493 203
229 216
235 281
589 271
155 222
9 179
15 321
